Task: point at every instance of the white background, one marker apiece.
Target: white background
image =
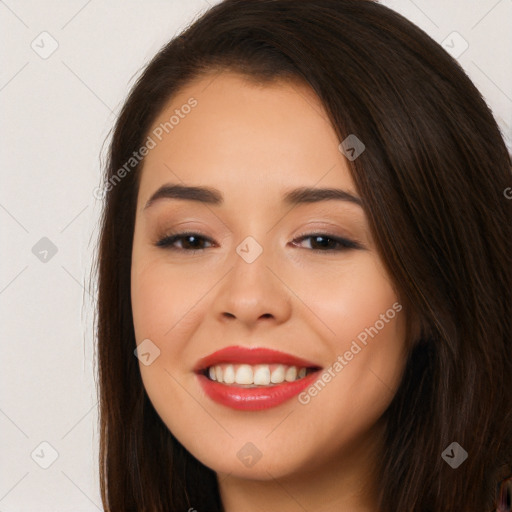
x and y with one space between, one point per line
56 114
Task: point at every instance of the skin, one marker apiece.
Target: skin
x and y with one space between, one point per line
253 142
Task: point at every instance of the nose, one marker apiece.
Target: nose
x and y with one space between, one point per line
252 291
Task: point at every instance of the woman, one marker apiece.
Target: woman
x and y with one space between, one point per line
307 244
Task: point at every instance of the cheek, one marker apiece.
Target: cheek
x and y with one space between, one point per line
365 323
163 299
348 299
150 303
367 361
163 312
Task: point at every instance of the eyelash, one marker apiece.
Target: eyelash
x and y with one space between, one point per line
168 241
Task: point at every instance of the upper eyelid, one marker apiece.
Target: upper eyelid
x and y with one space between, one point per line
339 239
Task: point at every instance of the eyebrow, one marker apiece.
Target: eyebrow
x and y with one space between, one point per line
214 197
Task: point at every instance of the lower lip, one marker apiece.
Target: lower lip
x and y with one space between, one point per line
254 399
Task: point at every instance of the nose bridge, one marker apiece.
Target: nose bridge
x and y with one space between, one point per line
253 227
251 290
250 264
250 249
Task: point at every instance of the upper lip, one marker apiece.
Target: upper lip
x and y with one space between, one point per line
251 355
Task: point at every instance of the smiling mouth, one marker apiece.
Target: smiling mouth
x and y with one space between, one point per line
256 375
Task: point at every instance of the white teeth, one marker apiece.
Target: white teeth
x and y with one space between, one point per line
229 374
291 374
262 375
244 374
278 375
257 375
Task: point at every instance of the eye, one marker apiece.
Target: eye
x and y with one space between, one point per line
192 242
329 243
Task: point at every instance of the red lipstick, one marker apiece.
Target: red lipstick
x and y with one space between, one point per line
253 398
255 355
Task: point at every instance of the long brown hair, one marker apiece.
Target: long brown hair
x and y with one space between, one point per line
432 179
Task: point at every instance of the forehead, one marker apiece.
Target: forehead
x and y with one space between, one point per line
241 136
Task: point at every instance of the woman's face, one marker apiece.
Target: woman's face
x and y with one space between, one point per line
249 276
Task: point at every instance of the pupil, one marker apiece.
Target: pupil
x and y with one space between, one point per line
191 237
316 238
